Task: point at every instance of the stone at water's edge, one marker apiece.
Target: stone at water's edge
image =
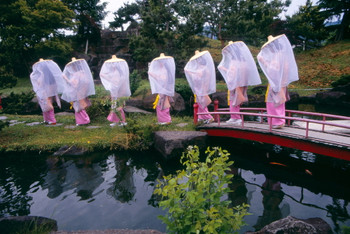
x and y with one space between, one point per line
172 143
24 224
70 150
294 225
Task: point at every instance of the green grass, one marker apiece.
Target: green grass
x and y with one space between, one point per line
137 135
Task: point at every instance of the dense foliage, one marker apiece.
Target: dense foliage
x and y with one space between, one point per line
30 30
306 27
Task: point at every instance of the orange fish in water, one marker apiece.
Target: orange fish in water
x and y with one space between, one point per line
308 172
276 163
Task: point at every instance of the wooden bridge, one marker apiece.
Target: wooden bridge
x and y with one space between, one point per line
318 133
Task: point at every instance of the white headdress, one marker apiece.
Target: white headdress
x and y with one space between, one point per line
79 82
46 79
114 76
277 61
238 66
200 74
161 74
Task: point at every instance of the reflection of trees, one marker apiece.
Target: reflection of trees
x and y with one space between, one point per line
123 188
149 162
83 175
16 181
338 212
238 196
272 197
55 176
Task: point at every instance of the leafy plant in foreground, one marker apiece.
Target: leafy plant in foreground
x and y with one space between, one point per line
194 196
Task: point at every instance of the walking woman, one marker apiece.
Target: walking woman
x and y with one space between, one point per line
277 61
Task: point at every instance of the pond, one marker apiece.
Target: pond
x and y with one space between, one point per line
114 190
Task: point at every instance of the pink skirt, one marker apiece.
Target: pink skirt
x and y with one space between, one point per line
235 109
112 117
163 116
203 110
276 110
49 116
82 117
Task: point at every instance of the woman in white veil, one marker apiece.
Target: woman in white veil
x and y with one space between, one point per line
114 76
277 61
47 83
161 74
239 71
78 86
200 74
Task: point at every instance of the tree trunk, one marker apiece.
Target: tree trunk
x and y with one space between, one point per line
220 37
86 46
343 28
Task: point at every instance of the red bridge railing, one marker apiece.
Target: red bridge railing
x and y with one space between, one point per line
289 117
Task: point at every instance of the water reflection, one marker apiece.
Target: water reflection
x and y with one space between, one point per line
82 176
123 188
115 191
272 198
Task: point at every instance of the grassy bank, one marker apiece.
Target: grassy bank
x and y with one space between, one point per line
137 135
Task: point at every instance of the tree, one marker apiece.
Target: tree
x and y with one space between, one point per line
251 20
89 15
341 10
163 28
124 15
26 26
306 27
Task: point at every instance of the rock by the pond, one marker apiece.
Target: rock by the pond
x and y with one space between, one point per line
172 143
70 150
3 117
25 224
294 225
133 109
110 231
181 125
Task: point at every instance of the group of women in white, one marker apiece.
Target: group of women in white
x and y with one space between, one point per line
238 68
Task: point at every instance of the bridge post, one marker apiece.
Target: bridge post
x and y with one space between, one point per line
216 107
195 112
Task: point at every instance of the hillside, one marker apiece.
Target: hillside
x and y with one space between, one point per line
318 68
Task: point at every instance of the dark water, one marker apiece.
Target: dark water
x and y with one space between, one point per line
114 190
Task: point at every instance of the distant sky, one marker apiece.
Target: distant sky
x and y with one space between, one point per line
114 5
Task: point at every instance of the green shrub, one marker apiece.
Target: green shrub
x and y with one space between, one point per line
19 103
346 230
184 90
343 80
194 196
135 79
99 107
7 80
3 124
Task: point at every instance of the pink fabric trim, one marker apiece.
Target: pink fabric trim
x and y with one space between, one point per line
201 110
235 109
82 117
49 116
112 117
276 110
163 116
